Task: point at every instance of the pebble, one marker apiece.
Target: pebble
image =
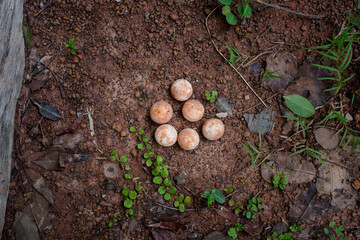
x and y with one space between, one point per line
134 153
137 94
174 17
123 133
117 126
83 125
356 184
247 97
109 185
181 178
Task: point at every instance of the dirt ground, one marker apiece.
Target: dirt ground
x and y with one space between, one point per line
128 55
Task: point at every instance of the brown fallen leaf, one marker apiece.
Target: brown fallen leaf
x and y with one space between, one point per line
254 228
336 180
299 172
68 141
286 66
226 214
174 226
327 138
49 162
176 217
158 234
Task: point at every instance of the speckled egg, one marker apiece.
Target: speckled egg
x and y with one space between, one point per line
213 129
193 110
181 90
161 112
188 139
166 135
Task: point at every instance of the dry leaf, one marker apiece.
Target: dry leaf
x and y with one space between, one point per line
299 172
226 214
327 138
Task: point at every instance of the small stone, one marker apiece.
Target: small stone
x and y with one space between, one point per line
137 94
349 117
247 97
123 133
174 17
246 134
134 153
222 115
83 125
181 178
109 185
356 184
117 126
72 112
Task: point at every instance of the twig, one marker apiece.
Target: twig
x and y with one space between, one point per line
232 175
256 105
30 181
232 66
48 3
288 10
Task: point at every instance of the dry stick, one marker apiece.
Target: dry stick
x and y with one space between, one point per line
232 66
256 105
288 10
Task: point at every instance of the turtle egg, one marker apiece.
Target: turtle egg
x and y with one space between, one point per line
161 112
166 135
193 110
181 90
188 139
213 129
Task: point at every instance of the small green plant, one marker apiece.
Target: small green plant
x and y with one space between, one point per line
253 208
280 180
310 152
211 95
345 129
238 207
266 74
335 233
356 93
130 197
121 160
233 232
255 153
213 195
286 236
339 50
71 45
235 56
180 202
132 129
301 107
52 22
244 10
114 220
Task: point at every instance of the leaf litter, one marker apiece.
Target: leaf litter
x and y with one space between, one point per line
46 110
299 171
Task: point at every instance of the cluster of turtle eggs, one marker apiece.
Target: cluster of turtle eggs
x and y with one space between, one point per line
192 110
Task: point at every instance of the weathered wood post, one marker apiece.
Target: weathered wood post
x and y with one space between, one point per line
12 62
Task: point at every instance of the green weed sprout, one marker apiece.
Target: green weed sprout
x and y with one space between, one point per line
235 56
71 45
233 232
347 131
280 180
339 50
253 208
179 202
286 236
244 10
211 95
114 220
310 152
130 197
213 195
255 153
333 232
301 107
266 74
